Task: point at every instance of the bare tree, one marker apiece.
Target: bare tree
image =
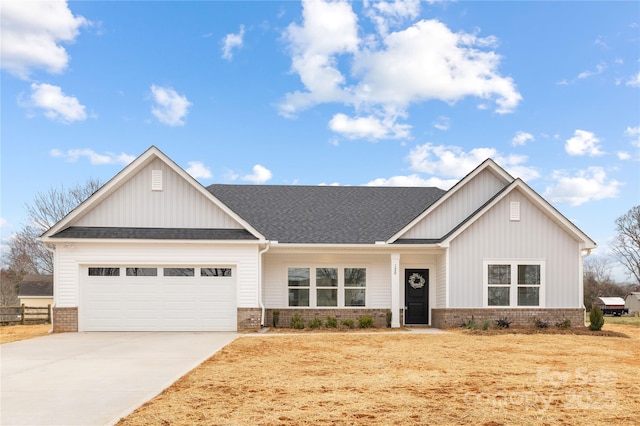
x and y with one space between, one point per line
26 254
9 283
597 280
626 244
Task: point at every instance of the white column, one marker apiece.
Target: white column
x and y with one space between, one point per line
395 290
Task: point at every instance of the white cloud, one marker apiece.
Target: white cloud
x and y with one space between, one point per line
56 105
588 185
599 70
443 123
31 33
634 81
73 155
232 41
170 108
389 72
634 134
198 170
413 180
368 127
583 143
452 161
623 155
260 175
521 138
3 222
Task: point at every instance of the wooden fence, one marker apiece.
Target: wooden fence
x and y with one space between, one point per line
25 314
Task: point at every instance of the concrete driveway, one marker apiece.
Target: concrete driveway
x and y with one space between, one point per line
94 378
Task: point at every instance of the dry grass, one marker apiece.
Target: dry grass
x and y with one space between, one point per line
13 333
408 379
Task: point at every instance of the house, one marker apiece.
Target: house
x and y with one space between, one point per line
632 302
36 290
611 305
153 249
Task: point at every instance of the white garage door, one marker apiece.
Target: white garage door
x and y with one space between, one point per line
163 298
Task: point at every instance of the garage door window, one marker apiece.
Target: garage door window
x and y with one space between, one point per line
215 272
142 272
178 272
104 272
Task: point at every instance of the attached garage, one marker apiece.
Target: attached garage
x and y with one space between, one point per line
157 298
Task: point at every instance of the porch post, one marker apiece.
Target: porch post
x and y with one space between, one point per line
395 290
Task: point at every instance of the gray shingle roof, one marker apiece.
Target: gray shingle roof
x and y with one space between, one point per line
155 233
326 214
36 285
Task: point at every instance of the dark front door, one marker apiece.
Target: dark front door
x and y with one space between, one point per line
416 296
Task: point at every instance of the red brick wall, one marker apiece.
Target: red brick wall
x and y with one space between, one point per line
454 317
249 319
65 320
379 315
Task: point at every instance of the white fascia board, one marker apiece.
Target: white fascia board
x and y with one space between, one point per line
539 202
124 175
60 241
487 164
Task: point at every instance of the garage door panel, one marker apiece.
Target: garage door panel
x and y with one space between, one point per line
150 303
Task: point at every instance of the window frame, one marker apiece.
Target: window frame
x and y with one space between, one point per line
513 285
313 287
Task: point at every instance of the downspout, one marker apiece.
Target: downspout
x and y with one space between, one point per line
52 249
262 308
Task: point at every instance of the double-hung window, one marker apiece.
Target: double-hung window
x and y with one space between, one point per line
514 283
324 287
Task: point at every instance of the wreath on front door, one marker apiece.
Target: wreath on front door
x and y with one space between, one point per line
416 280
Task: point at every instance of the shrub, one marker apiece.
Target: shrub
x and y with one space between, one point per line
297 322
564 324
503 322
596 319
314 323
365 321
470 324
486 324
332 322
540 323
389 317
276 318
348 323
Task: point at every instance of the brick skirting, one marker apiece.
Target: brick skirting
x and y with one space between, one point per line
379 315
65 320
249 319
454 317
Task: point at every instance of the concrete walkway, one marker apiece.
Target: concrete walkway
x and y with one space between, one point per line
94 378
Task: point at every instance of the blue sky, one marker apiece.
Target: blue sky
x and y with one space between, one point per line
384 93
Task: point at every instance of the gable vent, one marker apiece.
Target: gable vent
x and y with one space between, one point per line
514 214
156 180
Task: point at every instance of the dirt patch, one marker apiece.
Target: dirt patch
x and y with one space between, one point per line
407 379
13 333
576 331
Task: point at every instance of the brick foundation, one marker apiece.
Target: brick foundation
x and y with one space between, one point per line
454 317
379 315
65 320
249 319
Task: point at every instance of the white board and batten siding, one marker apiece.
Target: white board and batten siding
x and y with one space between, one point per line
458 207
535 237
74 259
137 204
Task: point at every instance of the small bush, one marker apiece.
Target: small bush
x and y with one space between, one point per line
314 323
486 324
276 318
503 322
540 323
365 321
470 324
297 322
596 319
348 323
389 317
331 322
564 324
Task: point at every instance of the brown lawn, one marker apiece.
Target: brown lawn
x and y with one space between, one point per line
13 333
408 379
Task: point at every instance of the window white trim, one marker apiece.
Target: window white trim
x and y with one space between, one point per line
513 286
313 288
